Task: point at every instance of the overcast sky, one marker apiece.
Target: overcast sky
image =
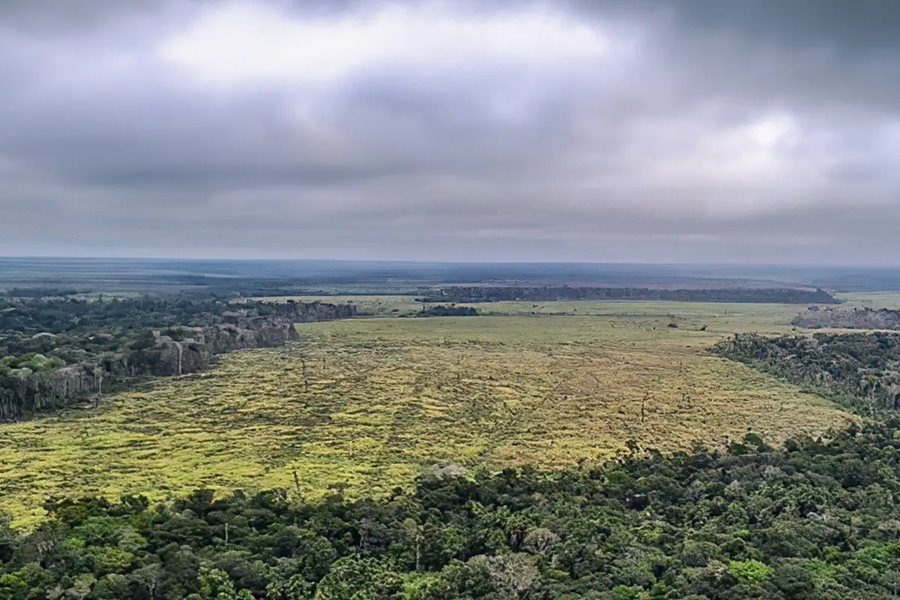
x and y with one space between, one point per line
762 131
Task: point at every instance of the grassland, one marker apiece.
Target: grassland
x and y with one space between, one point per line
721 317
873 300
366 404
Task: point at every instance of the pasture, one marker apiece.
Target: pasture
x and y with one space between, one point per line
364 405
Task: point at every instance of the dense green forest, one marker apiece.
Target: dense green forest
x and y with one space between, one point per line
809 520
550 294
862 370
855 318
54 351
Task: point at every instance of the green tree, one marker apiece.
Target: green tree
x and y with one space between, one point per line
216 585
750 571
356 578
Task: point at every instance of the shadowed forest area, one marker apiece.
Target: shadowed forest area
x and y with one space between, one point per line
860 369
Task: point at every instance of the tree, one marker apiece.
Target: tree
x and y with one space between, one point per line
356 578
515 573
215 585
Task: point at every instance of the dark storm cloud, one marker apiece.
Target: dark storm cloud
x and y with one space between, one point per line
630 130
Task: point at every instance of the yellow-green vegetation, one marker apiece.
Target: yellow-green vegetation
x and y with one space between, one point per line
366 404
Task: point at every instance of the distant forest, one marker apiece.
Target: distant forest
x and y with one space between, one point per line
305 277
474 294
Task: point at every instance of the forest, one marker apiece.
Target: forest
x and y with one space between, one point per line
808 520
56 351
462 294
862 370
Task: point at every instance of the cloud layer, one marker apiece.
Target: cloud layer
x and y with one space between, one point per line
687 130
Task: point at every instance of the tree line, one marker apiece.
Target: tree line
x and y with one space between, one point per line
474 294
445 310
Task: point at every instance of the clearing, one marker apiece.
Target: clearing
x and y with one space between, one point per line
366 404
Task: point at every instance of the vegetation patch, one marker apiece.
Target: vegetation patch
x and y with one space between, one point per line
110 343
448 310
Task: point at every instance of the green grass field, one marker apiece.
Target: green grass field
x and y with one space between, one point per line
874 300
720 317
366 404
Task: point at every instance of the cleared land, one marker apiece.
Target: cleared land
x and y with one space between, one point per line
720 316
874 300
365 404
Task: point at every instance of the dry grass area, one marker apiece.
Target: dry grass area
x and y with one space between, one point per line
366 404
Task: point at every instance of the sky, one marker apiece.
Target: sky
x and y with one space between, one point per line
668 131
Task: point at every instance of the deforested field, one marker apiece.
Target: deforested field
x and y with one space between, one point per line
364 405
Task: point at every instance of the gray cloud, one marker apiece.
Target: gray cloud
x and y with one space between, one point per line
688 130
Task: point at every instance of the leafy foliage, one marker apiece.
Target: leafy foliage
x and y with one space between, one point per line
444 310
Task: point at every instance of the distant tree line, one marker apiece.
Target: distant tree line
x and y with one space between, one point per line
42 292
476 294
444 310
808 520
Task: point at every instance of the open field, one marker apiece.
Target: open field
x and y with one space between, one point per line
718 316
874 300
367 403
722 318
